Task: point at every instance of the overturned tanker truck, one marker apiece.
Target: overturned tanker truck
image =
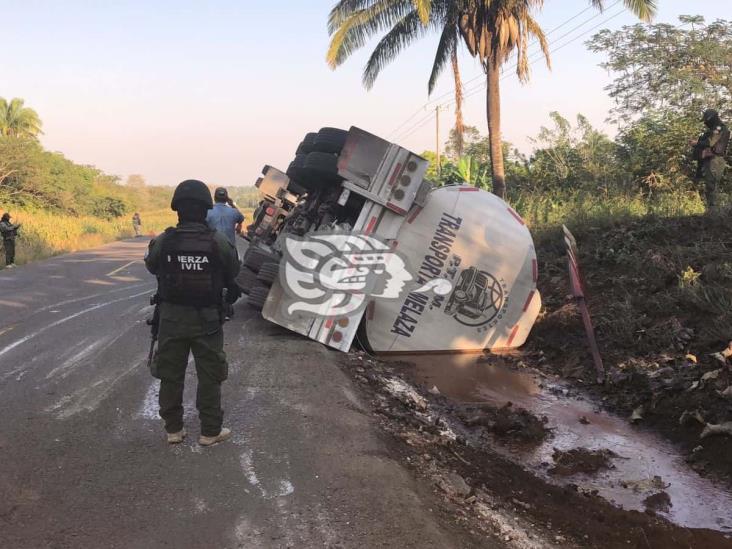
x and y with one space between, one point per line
454 267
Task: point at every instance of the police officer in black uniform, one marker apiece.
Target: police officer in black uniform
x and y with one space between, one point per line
193 265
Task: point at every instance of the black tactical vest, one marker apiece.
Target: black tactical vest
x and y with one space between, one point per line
190 270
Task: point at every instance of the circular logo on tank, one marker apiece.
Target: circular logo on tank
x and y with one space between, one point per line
476 299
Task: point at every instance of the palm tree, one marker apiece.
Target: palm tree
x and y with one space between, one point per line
492 30
17 120
352 22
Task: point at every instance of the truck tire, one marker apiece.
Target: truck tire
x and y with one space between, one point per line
255 257
268 273
307 144
319 171
294 170
257 297
330 140
246 280
321 163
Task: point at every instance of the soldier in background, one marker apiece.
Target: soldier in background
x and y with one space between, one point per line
137 224
9 232
710 151
193 265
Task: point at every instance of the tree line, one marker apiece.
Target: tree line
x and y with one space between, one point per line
664 77
34 178
491 31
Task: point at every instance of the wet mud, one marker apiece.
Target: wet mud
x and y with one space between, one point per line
572 441
498 483
581 460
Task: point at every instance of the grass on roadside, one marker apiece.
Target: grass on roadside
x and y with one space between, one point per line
45 234
579 209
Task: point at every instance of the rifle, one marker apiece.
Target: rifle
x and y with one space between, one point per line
697 154
226 309
154 324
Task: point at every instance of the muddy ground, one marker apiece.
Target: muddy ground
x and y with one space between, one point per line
660 293
453 446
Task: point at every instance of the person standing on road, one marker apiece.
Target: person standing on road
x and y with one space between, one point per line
137 224
193 265
710 151
224 217
9 232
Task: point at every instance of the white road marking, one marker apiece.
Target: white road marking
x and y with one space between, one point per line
122 267
91 396
30 336
13 304
92 296
78 357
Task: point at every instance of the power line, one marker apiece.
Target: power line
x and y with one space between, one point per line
409 131
440 97
415 127
411 117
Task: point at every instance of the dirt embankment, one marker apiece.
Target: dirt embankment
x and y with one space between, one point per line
660 292
451 445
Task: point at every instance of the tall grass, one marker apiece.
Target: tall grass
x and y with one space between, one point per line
578 209
45 234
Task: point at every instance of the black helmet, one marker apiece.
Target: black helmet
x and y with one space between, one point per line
192 189
710 116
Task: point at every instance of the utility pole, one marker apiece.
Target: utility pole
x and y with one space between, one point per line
437 138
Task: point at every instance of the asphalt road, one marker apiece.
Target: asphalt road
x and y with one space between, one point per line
83 462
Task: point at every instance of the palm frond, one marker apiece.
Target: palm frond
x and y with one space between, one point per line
403 33
345 9
446 47
598 4
358 27
423 8
645 10
534 29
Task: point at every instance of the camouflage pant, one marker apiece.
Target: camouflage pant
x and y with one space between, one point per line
9 251
200 333
713 173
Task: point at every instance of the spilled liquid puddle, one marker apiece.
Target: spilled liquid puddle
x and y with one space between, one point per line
696 502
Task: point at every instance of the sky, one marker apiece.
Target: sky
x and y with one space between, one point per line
215 90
